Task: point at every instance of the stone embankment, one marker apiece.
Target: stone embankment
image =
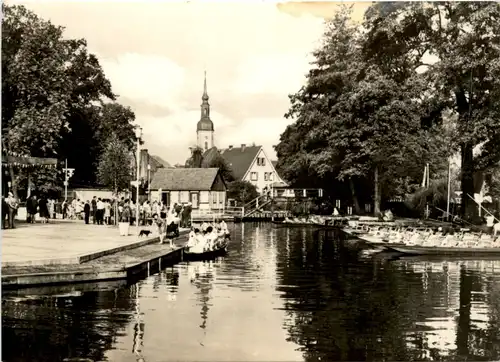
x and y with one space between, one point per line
72 252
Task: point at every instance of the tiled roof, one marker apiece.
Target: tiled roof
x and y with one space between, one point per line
240 159
274 162
184 179
160 162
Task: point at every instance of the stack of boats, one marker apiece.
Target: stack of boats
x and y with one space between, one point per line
420 240
314 220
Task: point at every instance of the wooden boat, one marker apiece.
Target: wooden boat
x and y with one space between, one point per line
297 224
208 255
221 250
439 250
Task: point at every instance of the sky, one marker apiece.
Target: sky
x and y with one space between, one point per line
155 54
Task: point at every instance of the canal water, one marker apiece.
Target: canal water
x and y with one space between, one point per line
281 294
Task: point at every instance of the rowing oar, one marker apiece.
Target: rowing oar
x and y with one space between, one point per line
481 206
449 213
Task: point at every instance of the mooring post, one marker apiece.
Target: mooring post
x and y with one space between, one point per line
159 263
148 268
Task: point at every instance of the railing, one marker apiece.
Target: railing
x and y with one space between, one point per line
208 214
256 204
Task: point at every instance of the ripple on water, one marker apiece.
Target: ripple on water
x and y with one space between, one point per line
280 294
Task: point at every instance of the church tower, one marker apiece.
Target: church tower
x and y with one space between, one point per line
205 127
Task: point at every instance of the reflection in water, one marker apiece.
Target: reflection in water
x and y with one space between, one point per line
280 294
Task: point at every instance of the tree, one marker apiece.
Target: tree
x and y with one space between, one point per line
210 159
196 158
464 38
242 191
86 140
219 162
115 165
354 122
48 84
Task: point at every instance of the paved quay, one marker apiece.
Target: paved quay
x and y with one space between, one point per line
70 251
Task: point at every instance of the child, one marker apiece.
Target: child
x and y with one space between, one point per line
160 227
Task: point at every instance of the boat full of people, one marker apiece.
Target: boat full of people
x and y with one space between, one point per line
314 221
208 241
431 241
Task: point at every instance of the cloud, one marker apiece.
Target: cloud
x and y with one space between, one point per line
146 78
155 53
271 73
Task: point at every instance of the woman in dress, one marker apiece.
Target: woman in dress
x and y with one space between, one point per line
107 212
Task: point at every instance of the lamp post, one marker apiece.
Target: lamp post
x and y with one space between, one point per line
138 134
149 181
68 173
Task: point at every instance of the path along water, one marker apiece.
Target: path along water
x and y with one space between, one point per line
280 295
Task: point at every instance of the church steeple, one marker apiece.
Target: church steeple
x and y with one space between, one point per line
205 126
205 94
205 123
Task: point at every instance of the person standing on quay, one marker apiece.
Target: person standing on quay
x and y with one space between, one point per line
86 211
94 210
100 211
107 212
43 209
31 206
64 208
51 207
13 205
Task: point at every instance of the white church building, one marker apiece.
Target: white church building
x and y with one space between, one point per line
248 162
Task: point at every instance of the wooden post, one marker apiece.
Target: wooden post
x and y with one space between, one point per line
272 207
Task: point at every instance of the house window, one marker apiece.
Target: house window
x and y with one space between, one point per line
184 196
266 176
254 176
261 161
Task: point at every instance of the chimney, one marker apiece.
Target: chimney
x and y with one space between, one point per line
243 147
230 147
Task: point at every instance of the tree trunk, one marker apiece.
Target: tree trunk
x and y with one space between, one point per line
376 207
355 201
468 210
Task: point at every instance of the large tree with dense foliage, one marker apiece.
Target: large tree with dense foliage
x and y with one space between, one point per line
354 122
210 159
242 191
85 141
55 96
463 41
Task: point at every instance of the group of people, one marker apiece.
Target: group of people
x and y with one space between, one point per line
167 219
43 206
148 211
208 237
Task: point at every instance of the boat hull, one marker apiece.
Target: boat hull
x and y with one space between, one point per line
209 255
431 250
335 225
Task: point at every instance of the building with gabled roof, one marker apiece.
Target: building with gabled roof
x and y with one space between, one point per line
251 163
248 163
203 187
